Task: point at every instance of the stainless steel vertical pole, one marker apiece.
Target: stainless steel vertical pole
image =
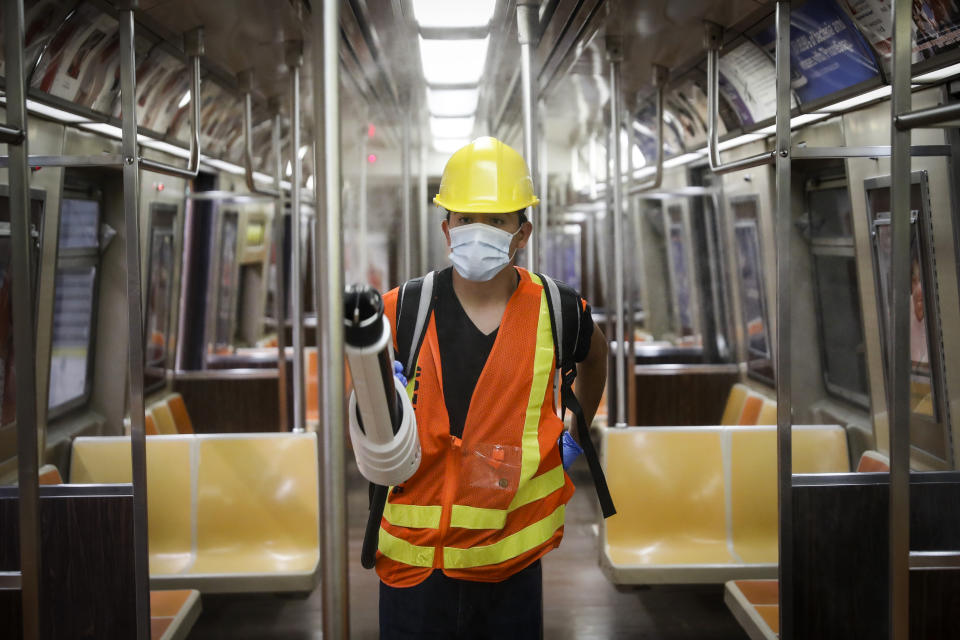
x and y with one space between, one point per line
294 55
424 244
542 219
279 308
405 188
615 55
898 391
135 346
528 25
783 358
363 261
333 524
24 336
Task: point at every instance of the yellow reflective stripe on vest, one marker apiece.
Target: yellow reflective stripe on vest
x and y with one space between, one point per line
414 516
510 547
542 375
402 551
479 518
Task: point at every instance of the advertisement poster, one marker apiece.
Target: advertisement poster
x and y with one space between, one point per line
827 53
936 25
878 201
748 81
688 105
73 55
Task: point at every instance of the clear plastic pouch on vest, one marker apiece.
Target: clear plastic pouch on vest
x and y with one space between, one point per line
492 466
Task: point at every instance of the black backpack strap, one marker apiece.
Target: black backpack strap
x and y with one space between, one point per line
414 306
565 311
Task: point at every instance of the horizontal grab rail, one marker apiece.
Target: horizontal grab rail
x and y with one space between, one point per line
10 580
193 43
11 135
246 84
935 559
713 34
931 117
660 76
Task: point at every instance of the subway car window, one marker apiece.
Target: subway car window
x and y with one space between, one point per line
8 404
75 294
681 276
929 421
753 304
159 293
226 284
837 292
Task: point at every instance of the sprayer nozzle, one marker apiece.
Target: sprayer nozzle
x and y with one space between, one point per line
363 310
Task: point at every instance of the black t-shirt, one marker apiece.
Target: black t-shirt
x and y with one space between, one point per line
464 349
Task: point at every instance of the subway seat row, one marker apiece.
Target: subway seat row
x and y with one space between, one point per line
227 513
165 416
746 407
172 612
699 504
756 603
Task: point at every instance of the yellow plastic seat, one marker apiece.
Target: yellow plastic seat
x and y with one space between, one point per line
181 416
227 513
753 480
257 505
699 504
169 510
163 418
768 412
668 487
731 413
751 409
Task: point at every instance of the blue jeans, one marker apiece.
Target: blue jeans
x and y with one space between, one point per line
443 607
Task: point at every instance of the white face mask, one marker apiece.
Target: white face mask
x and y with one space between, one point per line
479 251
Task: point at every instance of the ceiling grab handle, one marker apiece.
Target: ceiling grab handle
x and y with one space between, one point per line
245 80
660 77
193 47
712 39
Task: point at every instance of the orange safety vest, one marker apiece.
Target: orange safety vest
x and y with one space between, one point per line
484 507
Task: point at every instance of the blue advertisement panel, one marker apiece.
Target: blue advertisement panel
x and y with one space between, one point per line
827 53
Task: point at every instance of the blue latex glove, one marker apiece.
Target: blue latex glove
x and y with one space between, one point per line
569 449
398 372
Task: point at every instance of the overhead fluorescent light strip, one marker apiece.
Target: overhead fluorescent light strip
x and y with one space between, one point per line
453 13
452 102
449 145
453 61
451 127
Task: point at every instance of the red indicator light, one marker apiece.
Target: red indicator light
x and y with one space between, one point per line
372 158
371 130
159 186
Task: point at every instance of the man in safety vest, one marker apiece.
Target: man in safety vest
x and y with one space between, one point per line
461 541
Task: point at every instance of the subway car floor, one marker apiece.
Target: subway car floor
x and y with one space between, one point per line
579 602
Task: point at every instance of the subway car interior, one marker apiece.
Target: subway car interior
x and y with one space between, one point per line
759 200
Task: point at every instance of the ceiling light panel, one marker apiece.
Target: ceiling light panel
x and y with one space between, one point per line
453 13
451 127
452 102
449 145
453 61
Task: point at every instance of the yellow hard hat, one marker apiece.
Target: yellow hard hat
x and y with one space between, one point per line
486 176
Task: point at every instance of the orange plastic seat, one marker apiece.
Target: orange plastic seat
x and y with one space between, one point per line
163 418
311 385
173 613
734 407
756 606
49 474
181 416
873 462
751 409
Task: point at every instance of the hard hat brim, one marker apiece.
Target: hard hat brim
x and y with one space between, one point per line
485 207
